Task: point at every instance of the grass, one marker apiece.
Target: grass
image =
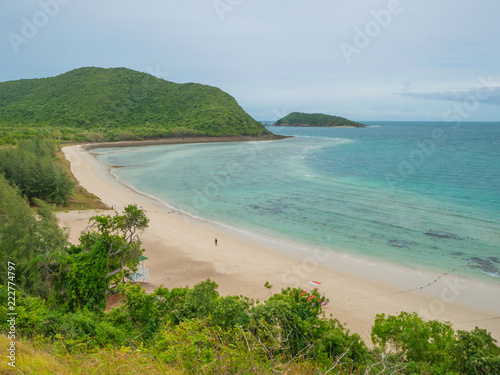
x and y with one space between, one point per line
44 359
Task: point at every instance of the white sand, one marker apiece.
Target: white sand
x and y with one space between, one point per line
182 252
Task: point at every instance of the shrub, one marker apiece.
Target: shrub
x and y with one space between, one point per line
434 347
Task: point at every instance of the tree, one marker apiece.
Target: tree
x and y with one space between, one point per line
107 251
26 236
432 347
419 340
299 321
32 168
476 352
120 235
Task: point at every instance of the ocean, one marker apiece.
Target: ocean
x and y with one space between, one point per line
425 195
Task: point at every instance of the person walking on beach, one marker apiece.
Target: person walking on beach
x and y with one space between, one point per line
215 241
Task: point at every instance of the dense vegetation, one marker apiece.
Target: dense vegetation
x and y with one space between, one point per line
195 330
24 236
32 168
96 104
315 119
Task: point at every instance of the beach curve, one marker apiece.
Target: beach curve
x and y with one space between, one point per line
181 252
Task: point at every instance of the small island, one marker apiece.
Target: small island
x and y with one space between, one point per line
316 119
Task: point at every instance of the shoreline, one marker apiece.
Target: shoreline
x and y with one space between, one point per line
181 252
185 140
299 125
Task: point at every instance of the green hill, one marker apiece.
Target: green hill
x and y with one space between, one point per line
117 104
316 119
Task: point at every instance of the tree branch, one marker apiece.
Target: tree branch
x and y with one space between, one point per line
112 273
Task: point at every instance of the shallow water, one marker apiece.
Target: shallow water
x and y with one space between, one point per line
423 195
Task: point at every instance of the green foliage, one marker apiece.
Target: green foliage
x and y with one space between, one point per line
297 317
315 119
107 251
232 332
117 104
77 331
52 236
200 301
31 167
34 316
145 312
119 233
420 341
231 311
26 236
434 347
201 348
80 279
476 353
221 332
265 342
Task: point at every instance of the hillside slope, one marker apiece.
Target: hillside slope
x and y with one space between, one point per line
121 101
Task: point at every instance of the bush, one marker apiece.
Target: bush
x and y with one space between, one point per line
200 301
231 311
201 348
476 353
297 318
145 312
434 347
34 316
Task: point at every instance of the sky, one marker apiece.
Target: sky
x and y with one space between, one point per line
371 60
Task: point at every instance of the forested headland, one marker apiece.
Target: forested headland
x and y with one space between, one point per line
118 104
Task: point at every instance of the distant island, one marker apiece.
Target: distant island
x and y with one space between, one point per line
118 104
316 119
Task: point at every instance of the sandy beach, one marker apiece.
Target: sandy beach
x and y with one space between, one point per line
182 252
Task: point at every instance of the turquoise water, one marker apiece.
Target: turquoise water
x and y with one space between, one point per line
423 195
